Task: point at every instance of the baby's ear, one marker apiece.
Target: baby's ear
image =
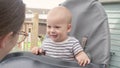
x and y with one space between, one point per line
69 27
5 39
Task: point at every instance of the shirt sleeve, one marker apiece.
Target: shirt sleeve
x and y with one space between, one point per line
77 48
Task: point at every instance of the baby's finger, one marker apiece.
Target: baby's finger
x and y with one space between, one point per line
85 62
37 51
88 61
81 63
33 51
40 50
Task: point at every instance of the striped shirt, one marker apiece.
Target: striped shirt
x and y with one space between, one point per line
65 50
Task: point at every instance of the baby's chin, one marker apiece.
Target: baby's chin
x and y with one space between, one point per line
56 40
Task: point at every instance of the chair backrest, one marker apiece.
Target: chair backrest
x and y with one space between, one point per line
29 60
90 27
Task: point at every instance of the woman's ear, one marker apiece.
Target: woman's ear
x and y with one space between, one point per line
69 27
5 39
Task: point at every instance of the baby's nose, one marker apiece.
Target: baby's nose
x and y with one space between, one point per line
52 30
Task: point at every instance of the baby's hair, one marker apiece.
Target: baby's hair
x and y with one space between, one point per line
12 15
62 11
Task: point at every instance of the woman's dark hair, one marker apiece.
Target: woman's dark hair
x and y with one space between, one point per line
12 15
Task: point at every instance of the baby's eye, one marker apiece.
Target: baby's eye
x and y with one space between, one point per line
57 27
49 26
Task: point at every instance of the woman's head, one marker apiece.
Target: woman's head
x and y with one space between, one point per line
12 14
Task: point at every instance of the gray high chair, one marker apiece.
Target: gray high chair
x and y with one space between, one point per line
89 26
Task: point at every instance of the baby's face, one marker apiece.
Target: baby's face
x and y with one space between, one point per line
57 29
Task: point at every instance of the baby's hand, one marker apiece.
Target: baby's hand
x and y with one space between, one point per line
37 50
82 58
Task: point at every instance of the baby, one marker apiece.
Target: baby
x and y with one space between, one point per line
59 44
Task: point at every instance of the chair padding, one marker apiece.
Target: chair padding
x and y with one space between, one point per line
29 60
